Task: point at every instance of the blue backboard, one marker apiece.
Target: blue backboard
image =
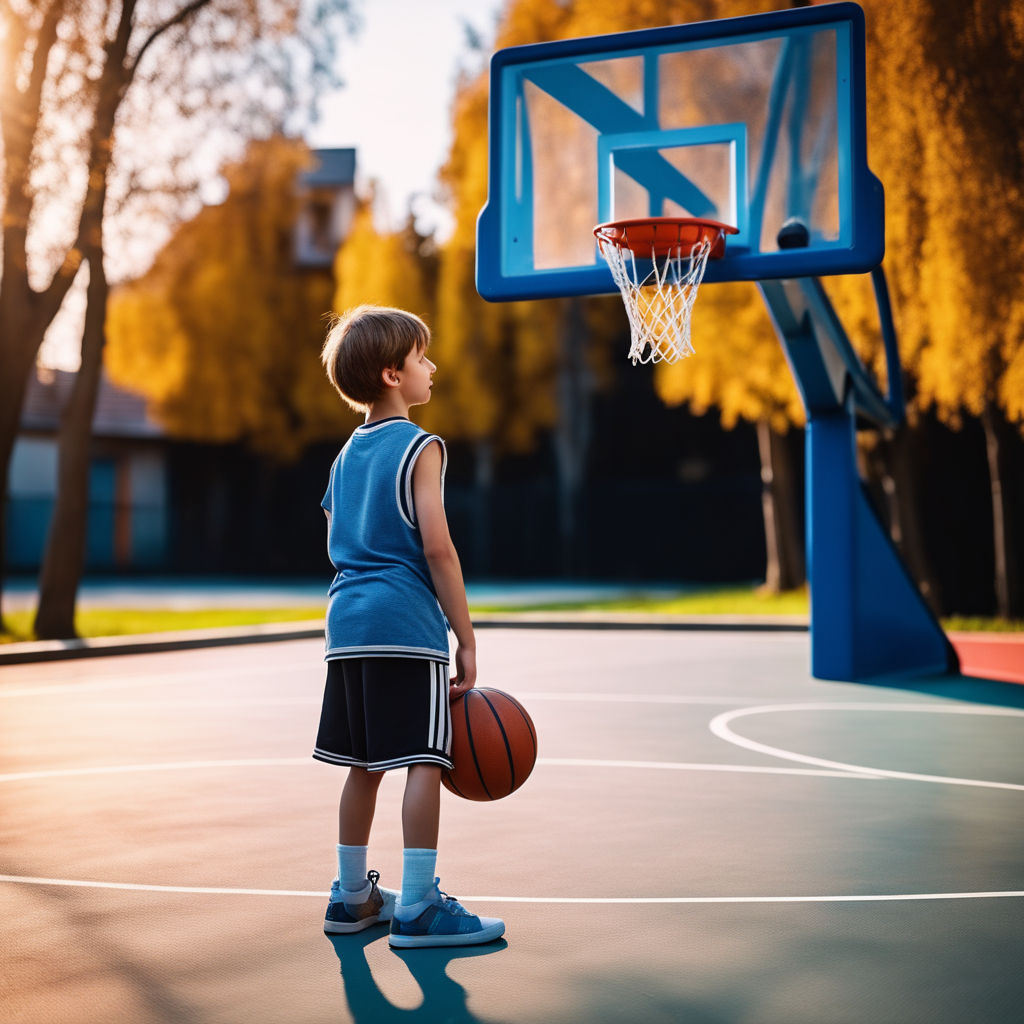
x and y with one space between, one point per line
751 121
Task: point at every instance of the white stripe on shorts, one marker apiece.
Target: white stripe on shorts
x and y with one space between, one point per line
436 711
439 731
446 739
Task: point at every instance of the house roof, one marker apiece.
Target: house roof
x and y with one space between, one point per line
119 413
333 167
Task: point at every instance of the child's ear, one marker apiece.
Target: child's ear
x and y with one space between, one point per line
390 377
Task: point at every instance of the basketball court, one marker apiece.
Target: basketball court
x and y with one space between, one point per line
710 835
713 832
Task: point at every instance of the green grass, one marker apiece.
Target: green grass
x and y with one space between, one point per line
127 621
711 601
94 622
968 624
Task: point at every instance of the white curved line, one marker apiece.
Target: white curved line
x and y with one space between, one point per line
79 883
720 727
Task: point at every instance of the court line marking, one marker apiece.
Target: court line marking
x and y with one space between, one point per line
193 890
127 682
314 700
290 762
184 678
720 726
697 766
635 698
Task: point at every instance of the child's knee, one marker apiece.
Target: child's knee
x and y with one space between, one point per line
365 779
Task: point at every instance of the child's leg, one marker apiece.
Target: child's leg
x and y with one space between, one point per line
355 816
356 903
424 916
421 813
421 806
358 802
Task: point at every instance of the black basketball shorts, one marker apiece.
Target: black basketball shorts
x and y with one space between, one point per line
381 713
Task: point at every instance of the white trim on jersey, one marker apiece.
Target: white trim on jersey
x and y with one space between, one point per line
403 481
369 428
387 651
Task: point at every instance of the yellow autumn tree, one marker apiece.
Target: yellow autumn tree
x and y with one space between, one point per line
222 334
944 127
740 370
510 372
970 57
386 268
945 130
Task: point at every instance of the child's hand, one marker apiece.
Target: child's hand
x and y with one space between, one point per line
465 671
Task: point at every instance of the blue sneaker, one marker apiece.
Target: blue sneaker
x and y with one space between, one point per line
345 917
440 920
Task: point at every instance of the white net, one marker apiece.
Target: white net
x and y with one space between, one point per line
660 304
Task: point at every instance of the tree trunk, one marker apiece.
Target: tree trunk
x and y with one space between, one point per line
1006 572
572 433
900 479
64 560
17 356
483 480
26 314
784 549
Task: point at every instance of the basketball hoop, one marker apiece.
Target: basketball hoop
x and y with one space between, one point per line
660 302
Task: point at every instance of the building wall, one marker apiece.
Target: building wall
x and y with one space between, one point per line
127 528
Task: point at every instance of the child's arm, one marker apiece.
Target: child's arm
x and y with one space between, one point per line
443 561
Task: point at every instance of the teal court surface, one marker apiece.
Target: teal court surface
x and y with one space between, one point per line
710 835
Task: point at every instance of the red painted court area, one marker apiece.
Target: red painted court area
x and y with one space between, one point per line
991 655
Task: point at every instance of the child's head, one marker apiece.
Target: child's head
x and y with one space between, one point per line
364 342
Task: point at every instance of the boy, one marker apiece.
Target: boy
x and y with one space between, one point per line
386 702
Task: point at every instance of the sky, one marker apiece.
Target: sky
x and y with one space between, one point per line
399 71
395 109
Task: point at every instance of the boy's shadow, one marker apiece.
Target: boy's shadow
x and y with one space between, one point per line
443 998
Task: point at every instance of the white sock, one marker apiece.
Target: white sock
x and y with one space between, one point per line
417 874
352 867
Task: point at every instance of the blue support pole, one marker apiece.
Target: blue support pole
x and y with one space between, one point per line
867 616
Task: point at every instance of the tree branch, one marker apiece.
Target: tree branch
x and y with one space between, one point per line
15 41
109 94
44 43
183 15
22 112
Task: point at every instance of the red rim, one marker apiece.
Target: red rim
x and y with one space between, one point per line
664 235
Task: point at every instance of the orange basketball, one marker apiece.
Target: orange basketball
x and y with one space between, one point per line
494 745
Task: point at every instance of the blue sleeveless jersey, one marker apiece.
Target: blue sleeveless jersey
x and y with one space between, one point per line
382 602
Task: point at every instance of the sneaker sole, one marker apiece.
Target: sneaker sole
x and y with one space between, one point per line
347 928
486 934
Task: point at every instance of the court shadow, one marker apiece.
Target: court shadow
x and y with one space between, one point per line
443 998
974 689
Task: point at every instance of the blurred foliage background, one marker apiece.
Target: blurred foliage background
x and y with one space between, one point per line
222 333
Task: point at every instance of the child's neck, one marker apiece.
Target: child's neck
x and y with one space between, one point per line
386 407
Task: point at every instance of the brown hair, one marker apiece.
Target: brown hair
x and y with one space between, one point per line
364 342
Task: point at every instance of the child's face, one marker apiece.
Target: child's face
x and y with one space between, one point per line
415 377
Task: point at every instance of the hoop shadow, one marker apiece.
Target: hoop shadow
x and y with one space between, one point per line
443 998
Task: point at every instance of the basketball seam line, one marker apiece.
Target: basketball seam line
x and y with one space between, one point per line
504 737
472 745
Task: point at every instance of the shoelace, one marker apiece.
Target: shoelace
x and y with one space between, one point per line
450 903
